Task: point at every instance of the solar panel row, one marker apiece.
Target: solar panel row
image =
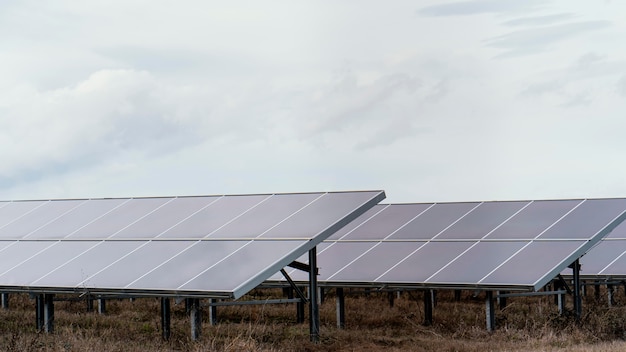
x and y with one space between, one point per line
224 245
607 260
214 246
489 245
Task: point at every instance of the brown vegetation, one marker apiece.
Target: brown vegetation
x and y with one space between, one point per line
525 324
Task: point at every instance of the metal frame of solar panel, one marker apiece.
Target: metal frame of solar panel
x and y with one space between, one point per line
199 246
508 246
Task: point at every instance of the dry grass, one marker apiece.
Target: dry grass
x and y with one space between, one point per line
526 324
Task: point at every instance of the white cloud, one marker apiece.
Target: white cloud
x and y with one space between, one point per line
123 98
111 112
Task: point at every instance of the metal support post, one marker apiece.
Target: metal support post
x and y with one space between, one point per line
391 297
433 293
48 313
89 304
165 318
341 308
596 291
561 302
491 318
300 312
212 312
502 300
5 300
195 317
610 295
457 295
102 306
39 308
314 309
428 308
577 299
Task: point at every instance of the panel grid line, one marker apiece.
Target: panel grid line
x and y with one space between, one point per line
97 218
611 263
420 247
347 233
56 218
67 262
29 258
530 242
189 216
240 215
147 242
23 215
476 243
247 243
141 217
292 215
379 242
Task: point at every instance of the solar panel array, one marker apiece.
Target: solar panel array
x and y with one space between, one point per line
608 258
211 246
518 245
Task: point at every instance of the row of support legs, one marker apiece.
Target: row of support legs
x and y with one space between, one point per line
429 296
45 308
45 312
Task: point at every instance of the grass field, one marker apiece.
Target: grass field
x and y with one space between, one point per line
525 324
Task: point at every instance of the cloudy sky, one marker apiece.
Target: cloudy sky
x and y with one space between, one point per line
428 100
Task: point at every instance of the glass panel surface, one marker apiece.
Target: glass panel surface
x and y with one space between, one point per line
482 220
525 268
600 256
216 215
375 262
356 222
136 264
321 214
165 217
264 216
6 244
120 218
534 219
193 261
586 220
618 232
433 221
87 264
477 262
68 223
44 262
425 262
618 268
38 217
18 252
243 266
335 257
13 210
391 219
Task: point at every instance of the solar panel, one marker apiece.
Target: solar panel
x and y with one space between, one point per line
607 260
206 246
516 245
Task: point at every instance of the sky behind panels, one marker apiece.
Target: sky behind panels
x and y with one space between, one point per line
429 100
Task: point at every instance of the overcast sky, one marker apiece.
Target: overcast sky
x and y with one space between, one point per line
428 100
